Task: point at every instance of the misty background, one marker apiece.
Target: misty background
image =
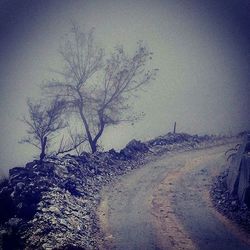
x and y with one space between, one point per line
202 50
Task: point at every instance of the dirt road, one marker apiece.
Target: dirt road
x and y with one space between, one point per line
165 205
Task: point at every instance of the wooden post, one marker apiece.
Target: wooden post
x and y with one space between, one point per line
174 127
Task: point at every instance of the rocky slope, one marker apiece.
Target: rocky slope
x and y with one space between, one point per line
51 205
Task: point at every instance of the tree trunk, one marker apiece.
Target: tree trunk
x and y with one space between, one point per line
99 134
93 146
43 148
92 143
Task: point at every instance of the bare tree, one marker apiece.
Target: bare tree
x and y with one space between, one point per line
45 119
98 89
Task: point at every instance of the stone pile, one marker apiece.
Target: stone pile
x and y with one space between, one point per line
51 205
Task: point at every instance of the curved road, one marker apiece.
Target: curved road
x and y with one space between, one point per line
165 205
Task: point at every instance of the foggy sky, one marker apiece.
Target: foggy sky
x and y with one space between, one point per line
202 49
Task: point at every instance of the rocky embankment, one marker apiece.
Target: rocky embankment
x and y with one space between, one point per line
51 205
229 205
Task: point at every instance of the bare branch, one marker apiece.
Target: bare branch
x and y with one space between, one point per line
71 144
